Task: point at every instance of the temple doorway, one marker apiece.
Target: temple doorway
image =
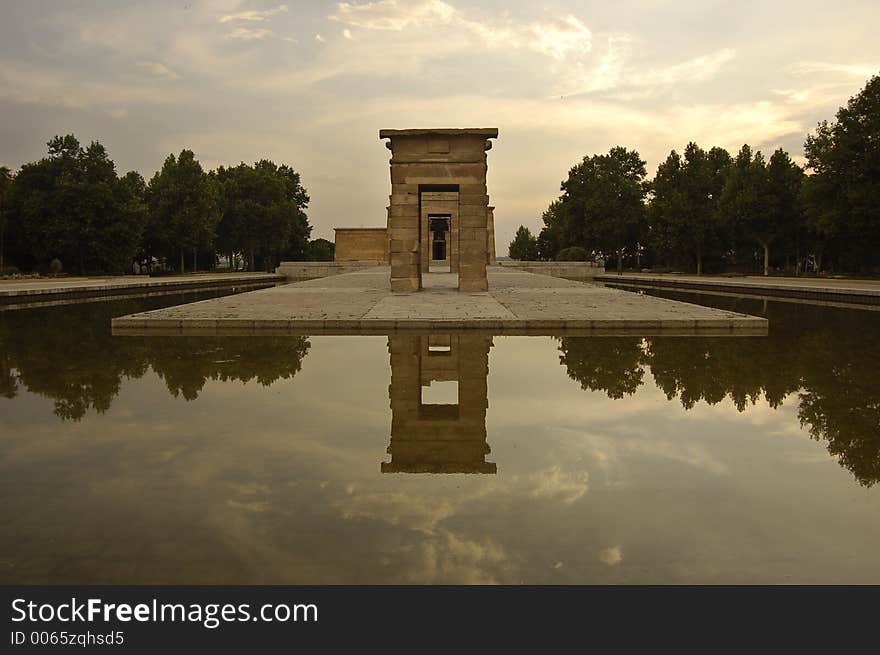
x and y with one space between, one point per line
438 228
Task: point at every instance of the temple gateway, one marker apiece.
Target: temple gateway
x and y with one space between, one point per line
439 217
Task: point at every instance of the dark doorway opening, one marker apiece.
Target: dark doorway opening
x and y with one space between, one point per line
439 230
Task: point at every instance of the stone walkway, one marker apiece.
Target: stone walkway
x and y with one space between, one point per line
362 303
865 292
27 291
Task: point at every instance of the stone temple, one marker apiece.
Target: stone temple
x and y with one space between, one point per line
439 237
439 217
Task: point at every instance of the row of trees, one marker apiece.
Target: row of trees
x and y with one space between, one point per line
72 206
707 209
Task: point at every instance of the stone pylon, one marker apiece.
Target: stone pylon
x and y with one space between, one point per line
438 173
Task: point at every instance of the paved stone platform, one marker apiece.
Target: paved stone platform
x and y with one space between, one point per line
362 303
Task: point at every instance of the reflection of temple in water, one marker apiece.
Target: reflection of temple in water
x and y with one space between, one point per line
439 398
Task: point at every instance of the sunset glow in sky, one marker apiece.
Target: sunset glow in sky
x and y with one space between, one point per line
311 83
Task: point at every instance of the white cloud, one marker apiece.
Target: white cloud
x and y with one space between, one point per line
253 15
558 38
614 71
53 88
158 69
320 39
698 69
248 33
391 15
558 485
347 34
852 70
611 556
561 38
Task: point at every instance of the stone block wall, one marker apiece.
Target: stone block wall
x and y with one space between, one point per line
361 244
438 161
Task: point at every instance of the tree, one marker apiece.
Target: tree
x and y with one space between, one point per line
131 196
572 254
842 196
551 236
262 212
300 228
72 206
603 202
684 208
744 201
5 188
524 246
784 209
183 201
320 250
666 210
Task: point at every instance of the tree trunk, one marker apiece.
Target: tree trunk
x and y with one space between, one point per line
181 262
2 230
766 257
251 261
699 262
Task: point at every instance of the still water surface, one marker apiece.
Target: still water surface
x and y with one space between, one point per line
439 460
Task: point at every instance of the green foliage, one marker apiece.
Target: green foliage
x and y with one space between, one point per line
68 355
743 197
262 212
320 250
552 236
784 208
71 205
184 207
573 254
601 208
607 193
524 246
760 201
842 196
684 213
5 191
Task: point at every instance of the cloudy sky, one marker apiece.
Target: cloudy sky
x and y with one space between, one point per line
311 83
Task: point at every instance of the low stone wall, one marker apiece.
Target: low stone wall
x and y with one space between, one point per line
302 271
579 271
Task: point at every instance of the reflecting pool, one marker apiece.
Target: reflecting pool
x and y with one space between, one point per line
449 458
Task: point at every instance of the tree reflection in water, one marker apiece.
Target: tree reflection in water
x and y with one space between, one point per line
830 357
68 354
